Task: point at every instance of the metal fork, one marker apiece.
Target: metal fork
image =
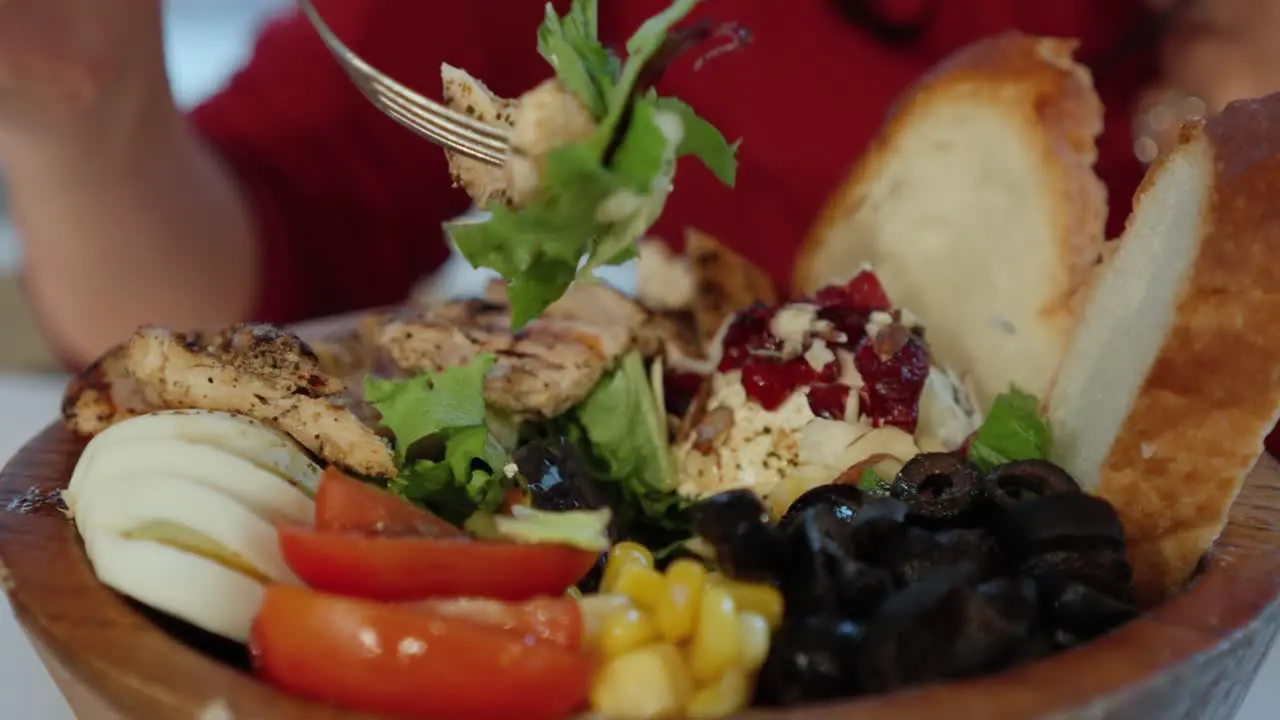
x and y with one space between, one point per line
443 126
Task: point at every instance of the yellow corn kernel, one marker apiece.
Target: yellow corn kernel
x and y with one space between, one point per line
625 631
624 553
753 640
643 585
677 608
764 600
714 647
649 682
595 609
727 695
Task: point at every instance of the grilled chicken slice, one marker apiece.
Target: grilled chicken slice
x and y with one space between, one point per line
255 370
542 370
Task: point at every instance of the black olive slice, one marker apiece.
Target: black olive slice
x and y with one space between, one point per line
753 552
1066 521
939 488
810 658
1086 613
975 546
718 517
820 576
841 502
911 636
1104 569
1021 480
999 620
877 527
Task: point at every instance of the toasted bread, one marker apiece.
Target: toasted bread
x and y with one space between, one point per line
1172 379
724 282
978 208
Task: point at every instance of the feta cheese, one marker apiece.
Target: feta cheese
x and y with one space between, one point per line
944 418
819 355
664 281
510 470
759 450
791 324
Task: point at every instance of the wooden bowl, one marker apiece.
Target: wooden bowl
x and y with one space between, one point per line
1193 657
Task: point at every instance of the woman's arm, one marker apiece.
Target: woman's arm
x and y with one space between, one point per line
122 211
285 196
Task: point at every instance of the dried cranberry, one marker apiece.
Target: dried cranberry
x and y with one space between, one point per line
747 332
770 381
893 366
863 292
679 389
829 400
849 321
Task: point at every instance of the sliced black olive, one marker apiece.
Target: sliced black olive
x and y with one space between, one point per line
751 553
910 638
975 546
811 658
560 477
999 619
1021 480
1086 613
1104 569
876 527
720 516
939 488
820 577
736 525
918 553
1066 521
840 502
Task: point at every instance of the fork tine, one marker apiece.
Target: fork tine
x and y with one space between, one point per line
411 103
436 122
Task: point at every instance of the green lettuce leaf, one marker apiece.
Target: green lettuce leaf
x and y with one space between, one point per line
1013 430
598 196
445 413
627 432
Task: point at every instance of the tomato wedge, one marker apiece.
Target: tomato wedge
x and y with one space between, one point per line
554 619
344 504
402 661
416 568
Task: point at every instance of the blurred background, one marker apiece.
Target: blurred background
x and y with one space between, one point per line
207 40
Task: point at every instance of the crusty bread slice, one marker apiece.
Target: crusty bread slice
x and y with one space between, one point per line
979 209
1172 379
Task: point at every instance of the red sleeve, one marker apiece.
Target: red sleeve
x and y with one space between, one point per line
348 204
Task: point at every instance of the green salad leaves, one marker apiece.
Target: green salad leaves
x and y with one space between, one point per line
598 196
627 432
1013 430
449 460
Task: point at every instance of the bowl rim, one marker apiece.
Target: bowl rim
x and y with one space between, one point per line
95 642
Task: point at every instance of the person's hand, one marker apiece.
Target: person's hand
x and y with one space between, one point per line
76 67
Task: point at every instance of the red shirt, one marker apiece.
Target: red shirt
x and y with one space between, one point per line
350 204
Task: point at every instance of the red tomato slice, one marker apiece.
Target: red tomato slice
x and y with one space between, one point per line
557 620
417 568
344 503
394 660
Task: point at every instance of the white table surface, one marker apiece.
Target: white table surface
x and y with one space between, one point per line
26 691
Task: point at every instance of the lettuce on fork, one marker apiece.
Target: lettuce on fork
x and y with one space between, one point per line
595 197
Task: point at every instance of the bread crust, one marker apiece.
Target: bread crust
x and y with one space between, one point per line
1198 423
1036 81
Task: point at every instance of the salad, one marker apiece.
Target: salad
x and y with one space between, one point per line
557 499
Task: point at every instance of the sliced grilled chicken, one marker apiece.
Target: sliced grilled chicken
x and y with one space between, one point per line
542 370
255 370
